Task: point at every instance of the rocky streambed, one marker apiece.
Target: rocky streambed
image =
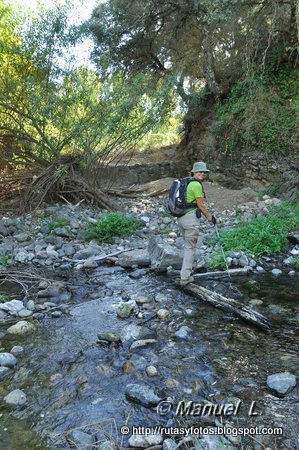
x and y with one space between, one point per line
95 345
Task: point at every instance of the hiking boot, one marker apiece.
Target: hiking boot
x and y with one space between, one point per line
185 281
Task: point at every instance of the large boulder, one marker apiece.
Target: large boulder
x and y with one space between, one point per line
21 327
134 258
142 394
163 255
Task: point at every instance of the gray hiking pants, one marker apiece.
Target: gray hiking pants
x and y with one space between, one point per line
189 226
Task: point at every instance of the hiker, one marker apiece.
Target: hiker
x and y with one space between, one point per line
189 222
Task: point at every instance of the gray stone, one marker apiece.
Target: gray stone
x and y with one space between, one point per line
142 394
134 258
7 359
276 272
12 307
107 445
3 315
21 327
81 439
169 444
243 261
17 350
30 305
142 343
124 310
56 314
151 371
68 250
90 263
63 232
163 255
292 273
16 398
140 441
86 253
131 331
183 332
22 237
163 313
288 261
4 372
25 313
109 337
21 257
281 383
260 269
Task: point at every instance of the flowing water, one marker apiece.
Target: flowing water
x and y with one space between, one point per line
71 381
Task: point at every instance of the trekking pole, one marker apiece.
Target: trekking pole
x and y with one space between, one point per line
221 246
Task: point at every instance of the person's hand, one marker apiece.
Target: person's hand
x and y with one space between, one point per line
213 220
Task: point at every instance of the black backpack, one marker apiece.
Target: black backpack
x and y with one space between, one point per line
177 205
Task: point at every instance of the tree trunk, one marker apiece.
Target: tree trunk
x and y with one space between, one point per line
228 304
209 69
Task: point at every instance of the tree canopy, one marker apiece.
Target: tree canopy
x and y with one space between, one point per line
211 41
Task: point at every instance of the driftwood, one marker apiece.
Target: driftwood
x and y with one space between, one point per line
98 258
218 274
228 304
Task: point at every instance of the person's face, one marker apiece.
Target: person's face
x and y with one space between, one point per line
200 175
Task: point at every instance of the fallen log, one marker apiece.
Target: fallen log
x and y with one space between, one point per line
220 274
228 304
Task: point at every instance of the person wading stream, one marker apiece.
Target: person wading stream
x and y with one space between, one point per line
189 222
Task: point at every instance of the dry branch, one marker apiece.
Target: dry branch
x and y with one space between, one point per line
228 304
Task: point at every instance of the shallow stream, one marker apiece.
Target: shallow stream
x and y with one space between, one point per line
71 381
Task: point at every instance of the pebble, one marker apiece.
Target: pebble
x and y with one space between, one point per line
183 332
140 441
151 371
142 394
163 313
276 272
124 310
16 398
292 273
8 360
17 350
281 383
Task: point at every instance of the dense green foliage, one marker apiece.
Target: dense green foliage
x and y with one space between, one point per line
263 235
260 113
110 225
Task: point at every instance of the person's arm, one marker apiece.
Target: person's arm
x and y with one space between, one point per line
201 205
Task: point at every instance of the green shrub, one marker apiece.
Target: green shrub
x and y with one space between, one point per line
4 258
110 225
216 261
264 234
58 222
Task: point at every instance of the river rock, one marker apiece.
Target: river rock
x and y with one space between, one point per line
151 371
288 261
243 261
276 272
16 398
25 313
295 251
124 310
142 343
107 445
86 253
30 305
17 350
109 337
163 313
22 237
134 258
4 372
21 327
142 394
163 255
281 383
183 332
81 439
143 299
12 307
169 444
3 315
21 257
131 331
8 360
141 441
292 273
